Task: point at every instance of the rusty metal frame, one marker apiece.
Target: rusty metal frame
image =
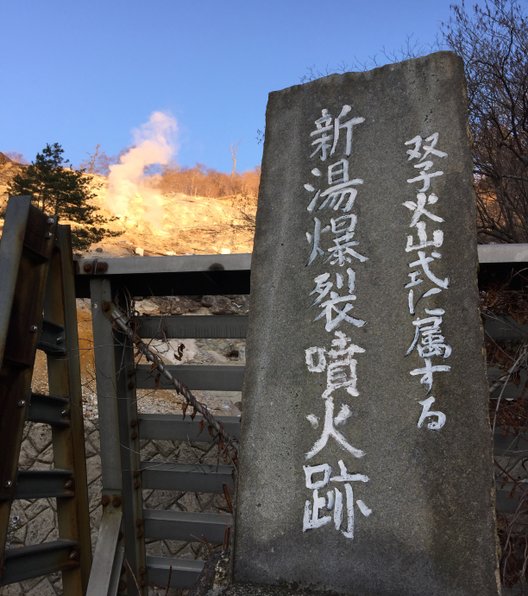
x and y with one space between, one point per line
38 310
24 269
25 275
64 380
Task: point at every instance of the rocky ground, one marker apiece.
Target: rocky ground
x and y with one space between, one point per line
163 224
194 351
8 169
190 225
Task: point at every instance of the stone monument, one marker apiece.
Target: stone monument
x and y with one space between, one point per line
366 463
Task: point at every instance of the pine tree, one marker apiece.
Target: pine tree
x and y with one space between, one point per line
59 190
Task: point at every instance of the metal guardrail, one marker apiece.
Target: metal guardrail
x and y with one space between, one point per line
198 275
125 474
167 276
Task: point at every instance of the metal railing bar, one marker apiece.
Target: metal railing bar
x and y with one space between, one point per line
204 377
49 409
164 264
192 326
174 427
187 526
122 323
204 478
181 572
51 339
41 484
35 560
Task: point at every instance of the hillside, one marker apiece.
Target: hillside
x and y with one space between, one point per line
157 221
8 169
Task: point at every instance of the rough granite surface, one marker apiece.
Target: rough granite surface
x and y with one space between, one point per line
431 530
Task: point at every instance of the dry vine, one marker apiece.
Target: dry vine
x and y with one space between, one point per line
509 421
227 443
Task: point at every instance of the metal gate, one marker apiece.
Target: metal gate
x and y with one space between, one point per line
127 473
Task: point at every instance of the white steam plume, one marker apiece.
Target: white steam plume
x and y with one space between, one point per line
129 195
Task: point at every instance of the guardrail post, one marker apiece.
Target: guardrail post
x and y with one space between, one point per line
135 562
105 367
64 379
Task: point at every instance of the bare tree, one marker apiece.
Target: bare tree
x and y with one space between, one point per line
98 162
15 156
492 39
233 149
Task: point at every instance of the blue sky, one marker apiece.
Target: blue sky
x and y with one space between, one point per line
84 73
